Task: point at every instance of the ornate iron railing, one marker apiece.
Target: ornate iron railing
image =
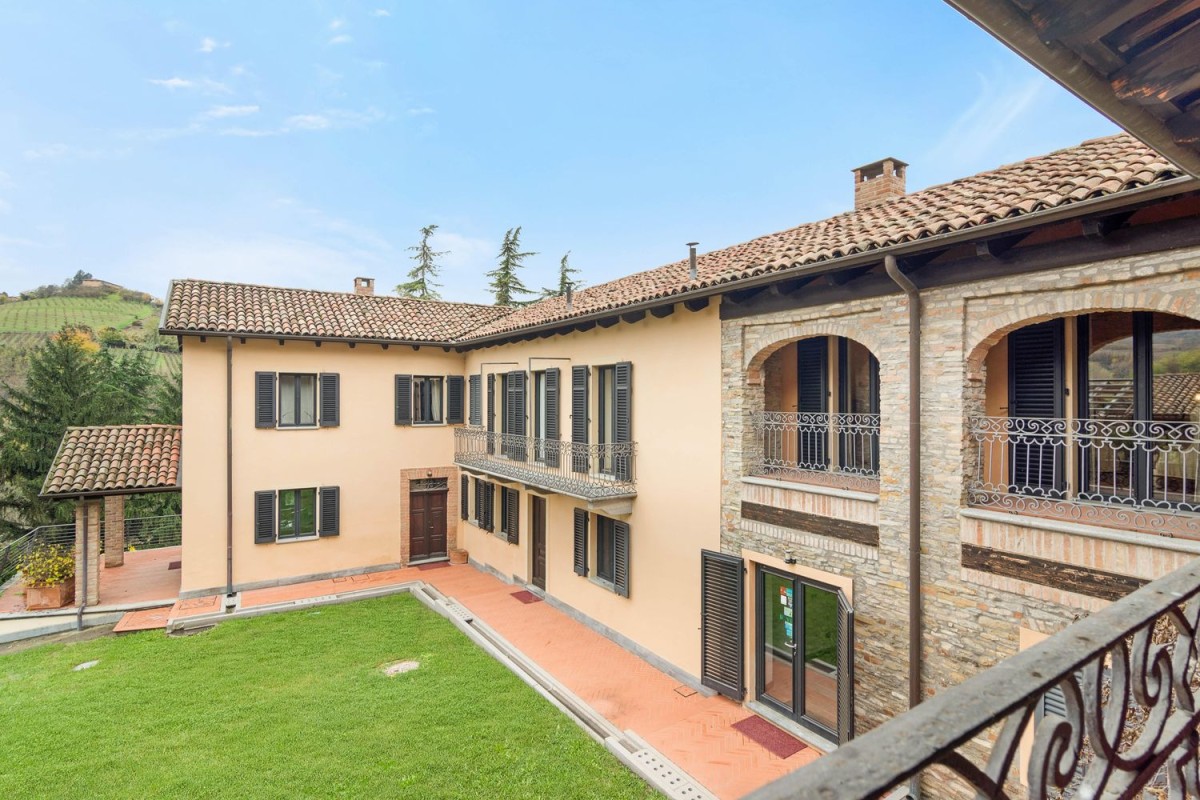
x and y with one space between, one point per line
586 471
1142 475
833 449
1127 720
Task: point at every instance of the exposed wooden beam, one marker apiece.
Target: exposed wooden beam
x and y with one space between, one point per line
743 295
696 303
585 326
842 277
634 316
663 311
996 248
608 322
1099 228
916 261
789 288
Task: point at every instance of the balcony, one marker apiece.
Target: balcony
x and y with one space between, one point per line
835 450
1141 476
589 472
1122 723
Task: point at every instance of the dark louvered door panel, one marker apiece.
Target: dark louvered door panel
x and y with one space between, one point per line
264 399
490 414
579 419
454 399
621 558
404 404
722 633
552 410
515 412
845 669
476 398
330 386
580 554
812 392
623 421
264 517
331 511
1035 401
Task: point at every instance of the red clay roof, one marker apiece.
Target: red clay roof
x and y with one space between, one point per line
210 307
111 459
1094 169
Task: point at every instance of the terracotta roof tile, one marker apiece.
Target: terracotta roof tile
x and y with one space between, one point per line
1176 396
114 458
210 307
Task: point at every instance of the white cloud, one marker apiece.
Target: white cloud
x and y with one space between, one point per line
329 120
222 112
421 111
238 70
343 38
205 85
381 12
1000 103
59 150
211 45
337 24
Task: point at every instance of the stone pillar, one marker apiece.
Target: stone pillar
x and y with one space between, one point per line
92 510
114 530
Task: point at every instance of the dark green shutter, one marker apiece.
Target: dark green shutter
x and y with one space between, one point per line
264 517
514 414
579 419
476 401
512 515
404 399
581 542
330 399
621 558
331 511
464 497
489 506
454 400
491 413
1036 391
722 616
264 399
845 669
478 503
553 378
812 374
623 422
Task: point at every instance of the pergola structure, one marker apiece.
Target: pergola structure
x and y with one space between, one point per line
102 465
1134 61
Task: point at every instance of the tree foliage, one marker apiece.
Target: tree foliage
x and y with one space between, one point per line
565 279
505 283
421 282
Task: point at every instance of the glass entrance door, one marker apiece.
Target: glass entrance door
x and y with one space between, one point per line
798 649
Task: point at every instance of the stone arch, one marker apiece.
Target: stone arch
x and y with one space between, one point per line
761 345
1068 304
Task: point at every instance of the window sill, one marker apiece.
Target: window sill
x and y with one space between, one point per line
602 583
428 425
294 539
297 427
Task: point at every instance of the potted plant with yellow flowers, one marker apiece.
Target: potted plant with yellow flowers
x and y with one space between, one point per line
48 572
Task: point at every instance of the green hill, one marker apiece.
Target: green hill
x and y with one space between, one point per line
24 324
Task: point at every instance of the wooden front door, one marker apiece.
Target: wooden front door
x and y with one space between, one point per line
426 525
539 542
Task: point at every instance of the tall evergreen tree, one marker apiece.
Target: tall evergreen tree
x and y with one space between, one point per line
565 271
506 285
421 284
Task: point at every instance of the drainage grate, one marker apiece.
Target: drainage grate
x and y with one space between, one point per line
667 778
457 610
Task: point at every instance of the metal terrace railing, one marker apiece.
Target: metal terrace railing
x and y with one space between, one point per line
1106 708
151 533
586 471
1144 475
833 449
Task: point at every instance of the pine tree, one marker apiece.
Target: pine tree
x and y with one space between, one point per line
421 284
506 285
565 271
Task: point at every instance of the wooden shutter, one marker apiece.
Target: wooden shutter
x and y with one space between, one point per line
454 399
264 399
552 433
623 420
330 399
514 414
581 542
1035 391
491 413
264 517
489 490
476 401
478 503
512 515
621 558
845 669
722 631
812 376
330 512
404 390
579 419
464 497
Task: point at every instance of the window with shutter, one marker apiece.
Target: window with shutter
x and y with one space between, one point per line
489 506
490 416
621 558
464 497
404 396
551 414
454 400
622 420
845 669
264 399
264 517
812 375
297 400
478 503
581 541
722 632
514 415
330 502
476 401
510 514
579 418
1035 377
330 400
427 399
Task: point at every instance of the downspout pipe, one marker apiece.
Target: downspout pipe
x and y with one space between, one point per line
228 466
914 477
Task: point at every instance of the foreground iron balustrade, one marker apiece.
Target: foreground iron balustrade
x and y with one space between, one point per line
1129 678
836 449
586 471
1140 475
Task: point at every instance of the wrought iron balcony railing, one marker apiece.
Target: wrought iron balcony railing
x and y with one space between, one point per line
833 449
1124 718
586 471
1142 475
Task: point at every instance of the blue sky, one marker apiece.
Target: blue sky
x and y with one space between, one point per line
305 143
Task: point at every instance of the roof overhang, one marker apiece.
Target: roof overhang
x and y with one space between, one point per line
1135 63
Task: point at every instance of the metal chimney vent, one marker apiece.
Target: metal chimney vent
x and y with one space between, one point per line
693 273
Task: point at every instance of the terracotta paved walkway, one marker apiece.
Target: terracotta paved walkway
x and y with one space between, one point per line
146 576
693 731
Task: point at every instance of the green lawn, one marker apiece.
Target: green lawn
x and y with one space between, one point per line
291 705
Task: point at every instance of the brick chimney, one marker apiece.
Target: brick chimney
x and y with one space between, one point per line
878 182
364 286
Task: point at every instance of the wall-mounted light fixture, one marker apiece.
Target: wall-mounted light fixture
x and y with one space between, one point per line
788 558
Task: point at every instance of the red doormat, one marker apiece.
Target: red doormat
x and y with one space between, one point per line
174 565
527 597
778 742
434 565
